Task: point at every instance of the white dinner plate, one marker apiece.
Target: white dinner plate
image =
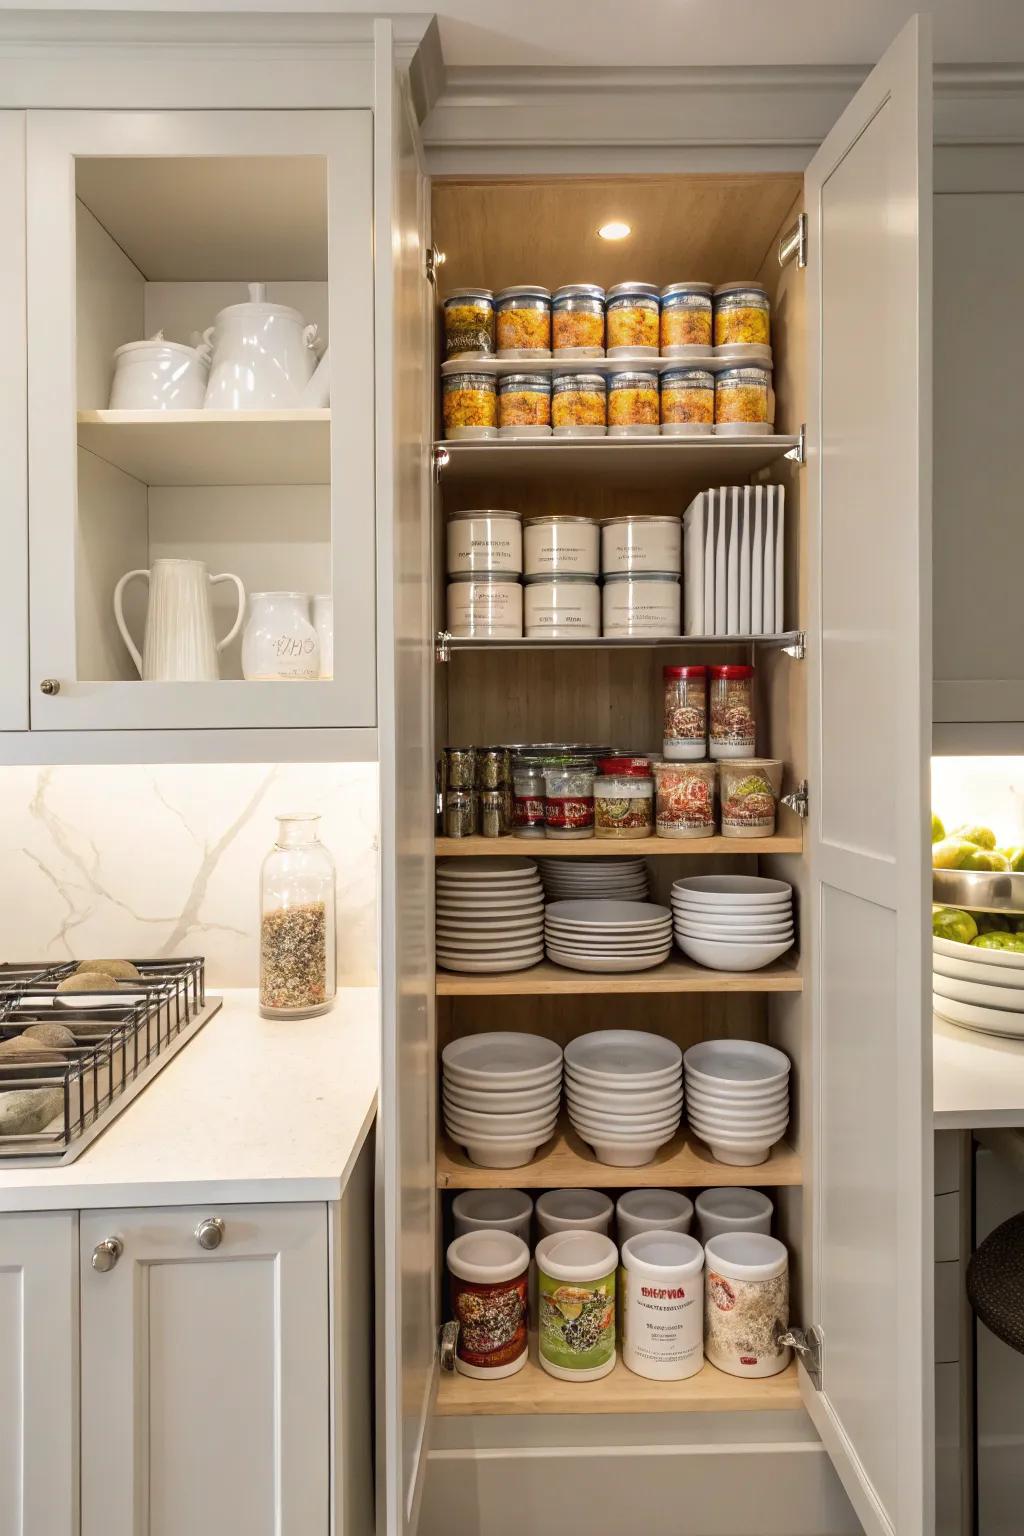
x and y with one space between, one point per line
485 967
602 965
486 868
607 914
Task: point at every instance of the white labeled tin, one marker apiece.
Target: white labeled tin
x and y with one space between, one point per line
485 607
561 545
641 544
485 541
641 603
560 607
663 1305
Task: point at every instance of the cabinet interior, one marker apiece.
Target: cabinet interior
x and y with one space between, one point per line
716 228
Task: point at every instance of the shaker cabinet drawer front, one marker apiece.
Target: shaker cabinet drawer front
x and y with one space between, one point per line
205 1372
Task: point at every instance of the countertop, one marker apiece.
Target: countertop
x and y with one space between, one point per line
978 1079
250 1110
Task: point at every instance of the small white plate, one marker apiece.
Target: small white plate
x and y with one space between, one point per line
485 868
608 914
486 967
603 966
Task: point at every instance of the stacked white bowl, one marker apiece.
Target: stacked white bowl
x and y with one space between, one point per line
490 914
733 922
500 1093
624 1089
582 878
977 988
737 1098
607 936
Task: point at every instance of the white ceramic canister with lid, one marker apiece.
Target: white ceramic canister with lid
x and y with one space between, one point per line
279 643
492 1210
159 375
652 1210
562 608
485 607
573 1210
488 1279
746 1303
576 1274
663 1305
485 541
562 545
263 356
641 544
641 603
732 1210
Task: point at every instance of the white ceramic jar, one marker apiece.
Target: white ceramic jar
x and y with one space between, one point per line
492 1210
746 1303
641 603
566 546
651 1210
485 541
488 1285
322 609
576 1305
573 1210
562 608
263 356
732 1210
159 375
662 1305
279 643
485 607
641 544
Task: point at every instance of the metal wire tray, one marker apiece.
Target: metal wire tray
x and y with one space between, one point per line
122 1039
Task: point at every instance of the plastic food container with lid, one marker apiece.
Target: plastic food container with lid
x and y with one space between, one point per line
685 799
524 405
470 405
744 402
484 541
577 321
579 405
576 1274
686 320
663 1305
687 402
568 800
485 606
562 545
746 1303
733 731
651 1210
685 720
749 796
633 319
561 606
469 323
633 407
641 603
742 315
488 1278
523 321
623 798
638 543
527 798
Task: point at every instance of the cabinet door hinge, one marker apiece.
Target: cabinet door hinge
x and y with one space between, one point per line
434 260
794 243
449 1339
440 458
442 645
808 1346
798 453
799 800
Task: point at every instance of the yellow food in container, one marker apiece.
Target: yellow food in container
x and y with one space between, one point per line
632 319
577 320
469 323
524 404
685 318
579 405
744 400
687 401
742 315
523 321
632 404
470 405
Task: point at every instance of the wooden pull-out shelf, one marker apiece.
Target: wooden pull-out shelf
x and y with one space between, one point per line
591 847
677 974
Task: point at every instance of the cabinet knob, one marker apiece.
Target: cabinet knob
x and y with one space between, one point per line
49 686
210 1233
106 1254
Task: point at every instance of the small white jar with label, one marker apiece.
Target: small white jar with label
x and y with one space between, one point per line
566 546
562 608
485 541
641 544
485 607
641 603
663 1305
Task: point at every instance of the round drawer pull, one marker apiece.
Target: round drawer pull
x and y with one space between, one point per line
49 686
106 1254
210 1233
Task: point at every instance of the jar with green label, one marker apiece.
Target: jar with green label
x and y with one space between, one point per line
576 1274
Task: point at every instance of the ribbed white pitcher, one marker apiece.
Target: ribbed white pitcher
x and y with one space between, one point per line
179 645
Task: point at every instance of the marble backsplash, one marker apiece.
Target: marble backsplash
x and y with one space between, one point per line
152 861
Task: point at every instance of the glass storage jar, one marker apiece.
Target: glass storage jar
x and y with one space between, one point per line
641 603
742 315
562 545
577 320
485 541
298 928
733 730
632 319
632 404
639 543
460 812
623 798
686 320
469 405
561 607
750 795
685 799
469 323
485 606
528 798
568 801
523 321
744 403
687 402
524 405
685 728
579 405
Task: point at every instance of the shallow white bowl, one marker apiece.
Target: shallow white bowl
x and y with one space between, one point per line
625 1125
614 915
471 1122
713 1103
981 996
644 1059
1006 959
744 1065
991 1021
629 1102
738 925
502 1058
970 970
604 964
711 1127
488 1152
618 1152
715 935
516 1102
720 889
731 957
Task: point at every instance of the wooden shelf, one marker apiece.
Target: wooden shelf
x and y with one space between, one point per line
532 1390
688 464
212 447
592 847
677 974
567 1162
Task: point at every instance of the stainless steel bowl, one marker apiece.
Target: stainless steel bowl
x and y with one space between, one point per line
977 890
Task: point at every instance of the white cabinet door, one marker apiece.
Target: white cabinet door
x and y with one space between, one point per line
869 276
39 1374
205 1374
408 1294
13 426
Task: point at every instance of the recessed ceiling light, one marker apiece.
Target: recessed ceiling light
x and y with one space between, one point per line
615 229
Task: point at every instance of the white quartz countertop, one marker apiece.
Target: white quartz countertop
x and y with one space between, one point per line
978 1079
250 1110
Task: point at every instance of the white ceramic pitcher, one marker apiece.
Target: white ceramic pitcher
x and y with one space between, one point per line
179 645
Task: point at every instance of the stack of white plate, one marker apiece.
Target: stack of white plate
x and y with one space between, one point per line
737 1098
979 989
500 1094
490 914
607 935
733 922
624 1089
587 878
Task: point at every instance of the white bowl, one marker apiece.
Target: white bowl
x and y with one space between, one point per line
625 1128
499 1101
644 1101
991 1021
643 1059
1008 959
749 1126
502 1058
732 906
712 1103
971 970
721 889
489 1152
981 996
745 1065
731 957
617 1152
608 964
729 926
530 1123
715 935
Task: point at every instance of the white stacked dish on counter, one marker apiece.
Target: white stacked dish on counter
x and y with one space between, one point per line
597 878
607 936
624 1091
500 1095
733 922
490 915
981 989
737 1098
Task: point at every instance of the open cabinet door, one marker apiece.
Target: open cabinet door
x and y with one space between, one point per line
407 1246
869 201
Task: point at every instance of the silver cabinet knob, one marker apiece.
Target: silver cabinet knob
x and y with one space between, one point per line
106 1254
49 686
210 1233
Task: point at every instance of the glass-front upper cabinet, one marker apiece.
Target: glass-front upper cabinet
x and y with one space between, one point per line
201 472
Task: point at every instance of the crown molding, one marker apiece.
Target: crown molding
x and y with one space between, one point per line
200 28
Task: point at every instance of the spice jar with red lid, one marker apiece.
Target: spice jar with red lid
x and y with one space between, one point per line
733 731
623 798
685 725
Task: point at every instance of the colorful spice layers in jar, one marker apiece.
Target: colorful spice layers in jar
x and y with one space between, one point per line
485 606
744 403
632 404
469 323
524 405
742 315
685 804
488 1278
685 727
561 545
686 320
623 798
485 541
528 798
579 405
523 321
733 730
632 319
638 543
470 405
577 320
561 607
637 603
750 796
568 802
687 402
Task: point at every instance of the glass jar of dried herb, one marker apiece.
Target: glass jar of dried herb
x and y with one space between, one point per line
298 929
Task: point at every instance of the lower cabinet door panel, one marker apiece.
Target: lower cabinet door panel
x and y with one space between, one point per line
205 1372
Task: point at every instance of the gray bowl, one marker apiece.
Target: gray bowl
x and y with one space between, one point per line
979 890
